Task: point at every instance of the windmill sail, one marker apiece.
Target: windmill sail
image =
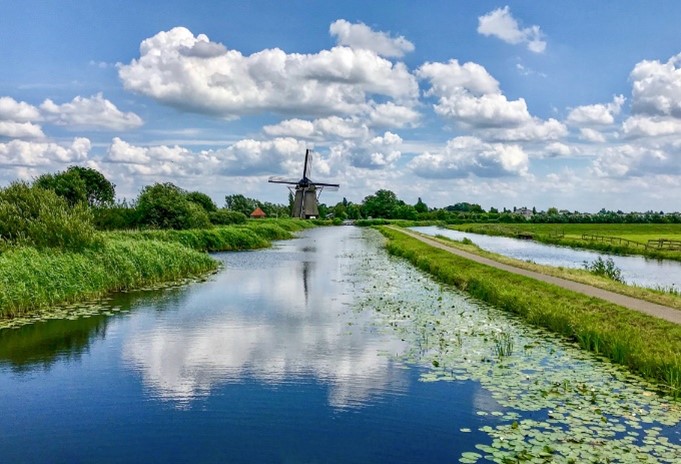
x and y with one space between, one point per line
306 192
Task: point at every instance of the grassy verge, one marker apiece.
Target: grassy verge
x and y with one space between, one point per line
31 279
571 235
672 300
249 236
646 345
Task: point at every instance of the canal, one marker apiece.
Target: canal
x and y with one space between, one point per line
320 349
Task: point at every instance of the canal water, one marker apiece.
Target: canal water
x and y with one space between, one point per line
636 270
322 349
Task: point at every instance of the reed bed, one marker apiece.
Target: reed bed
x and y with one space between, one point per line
31 279
646 345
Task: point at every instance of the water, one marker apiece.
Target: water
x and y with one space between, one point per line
636 270
313 351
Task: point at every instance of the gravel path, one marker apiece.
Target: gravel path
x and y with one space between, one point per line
653 309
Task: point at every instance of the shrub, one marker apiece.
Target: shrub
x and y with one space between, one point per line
223 217
165 206
39 217
604 268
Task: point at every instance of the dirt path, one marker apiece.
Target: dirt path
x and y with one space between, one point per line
653 309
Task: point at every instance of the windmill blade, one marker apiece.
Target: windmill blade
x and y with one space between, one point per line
307 167
325 185
330 188
282 180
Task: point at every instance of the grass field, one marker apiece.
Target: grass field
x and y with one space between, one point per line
571 235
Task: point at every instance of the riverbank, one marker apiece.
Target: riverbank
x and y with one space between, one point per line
623 239
646 345
33 279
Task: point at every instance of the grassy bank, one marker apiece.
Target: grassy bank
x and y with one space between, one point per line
31 278
571 235
252 235
646 345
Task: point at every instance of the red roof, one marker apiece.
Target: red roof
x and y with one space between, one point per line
258 213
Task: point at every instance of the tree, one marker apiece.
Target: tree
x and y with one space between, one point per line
165 206
241 204
79 184
381 205
98 189
420 206
203 201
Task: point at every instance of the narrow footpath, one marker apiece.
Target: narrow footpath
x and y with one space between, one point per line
652 309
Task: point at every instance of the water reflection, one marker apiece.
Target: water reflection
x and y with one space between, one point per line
40 346
635 269
277 316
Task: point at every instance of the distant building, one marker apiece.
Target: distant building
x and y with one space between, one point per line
525 212
258 213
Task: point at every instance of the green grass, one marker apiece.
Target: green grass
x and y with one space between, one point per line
646 345
32 279
571 235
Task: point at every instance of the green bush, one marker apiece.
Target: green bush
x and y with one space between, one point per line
115 217
223 217
165 206
38 217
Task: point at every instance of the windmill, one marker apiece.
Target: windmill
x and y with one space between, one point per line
305 192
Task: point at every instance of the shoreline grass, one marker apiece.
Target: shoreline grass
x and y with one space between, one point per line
32 279
644 344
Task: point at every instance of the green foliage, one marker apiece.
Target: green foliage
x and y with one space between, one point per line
67 185
604 268
38 217
202 200
223 217
241 204
115 217
79 184
31 279
420 206
382 204
165 206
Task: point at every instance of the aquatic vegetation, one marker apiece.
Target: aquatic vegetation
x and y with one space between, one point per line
552 402
642 343
605 268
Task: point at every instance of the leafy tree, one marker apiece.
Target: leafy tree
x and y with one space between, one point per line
420 206
165 206
381 205
241 204
98 189
67 184
225 217
552 211
79 184
203 201
465 207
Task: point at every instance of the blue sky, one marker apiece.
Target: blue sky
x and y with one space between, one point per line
572 104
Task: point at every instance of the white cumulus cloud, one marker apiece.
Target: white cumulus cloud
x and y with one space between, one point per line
598 114
20 130
501 24
224 82
465 156
95 112
656 87
362 36
24 153
12 110
651 126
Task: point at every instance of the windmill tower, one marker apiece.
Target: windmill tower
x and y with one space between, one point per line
305 192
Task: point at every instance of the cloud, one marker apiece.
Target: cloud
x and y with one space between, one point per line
377 153
591 135
533 129
361 36
637 161
598 114
20 130
392 115
12 110
556 149
322 129
469 95
647 126
465 156
95 113
502 25
23 153
656 88
229 84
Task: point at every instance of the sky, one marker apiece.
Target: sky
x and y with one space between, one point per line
572 104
